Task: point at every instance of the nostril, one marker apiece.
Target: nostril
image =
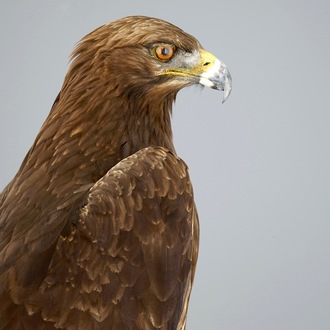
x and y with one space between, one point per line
207 63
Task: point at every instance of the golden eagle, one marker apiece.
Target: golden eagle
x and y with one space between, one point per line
98 229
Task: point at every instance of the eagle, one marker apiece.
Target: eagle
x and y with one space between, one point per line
98 228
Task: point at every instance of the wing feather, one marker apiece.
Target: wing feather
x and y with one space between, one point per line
127 261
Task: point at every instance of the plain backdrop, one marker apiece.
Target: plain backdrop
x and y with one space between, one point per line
259 163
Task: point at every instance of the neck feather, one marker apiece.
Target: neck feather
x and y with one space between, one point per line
85 139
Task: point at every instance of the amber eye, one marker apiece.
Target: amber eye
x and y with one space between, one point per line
164 52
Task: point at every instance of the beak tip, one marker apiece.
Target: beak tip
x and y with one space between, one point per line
226 90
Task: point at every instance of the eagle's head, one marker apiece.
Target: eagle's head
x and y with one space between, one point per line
138 55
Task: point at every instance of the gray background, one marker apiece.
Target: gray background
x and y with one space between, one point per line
259 163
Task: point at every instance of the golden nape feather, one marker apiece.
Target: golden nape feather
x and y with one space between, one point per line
98 229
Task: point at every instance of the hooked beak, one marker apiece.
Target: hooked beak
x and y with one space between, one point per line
216 75
202 68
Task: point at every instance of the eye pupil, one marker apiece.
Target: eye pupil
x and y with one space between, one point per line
165 51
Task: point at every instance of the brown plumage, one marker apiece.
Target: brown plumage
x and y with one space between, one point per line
98 229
